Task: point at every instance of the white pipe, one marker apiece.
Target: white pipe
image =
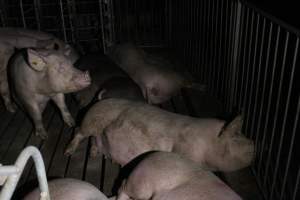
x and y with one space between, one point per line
12 180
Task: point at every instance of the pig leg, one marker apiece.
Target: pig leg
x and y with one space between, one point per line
35 111
59 100
94 148
4 87
71 148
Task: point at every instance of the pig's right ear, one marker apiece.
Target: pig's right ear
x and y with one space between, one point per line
234 127
35 60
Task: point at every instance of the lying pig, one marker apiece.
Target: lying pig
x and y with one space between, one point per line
69 189
169 176
11 38
155 76
126 129
101 70
40 75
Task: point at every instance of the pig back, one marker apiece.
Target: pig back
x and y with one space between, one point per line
69 189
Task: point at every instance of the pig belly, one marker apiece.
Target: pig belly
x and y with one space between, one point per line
123 143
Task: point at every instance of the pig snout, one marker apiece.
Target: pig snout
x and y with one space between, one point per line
82 79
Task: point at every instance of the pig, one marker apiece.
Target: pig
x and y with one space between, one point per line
170 176
125 129
155 76
101 69
69 189
11 38
38 75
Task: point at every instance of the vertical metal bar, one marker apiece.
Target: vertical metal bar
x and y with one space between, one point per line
203 41
270 96
22 14
263 96
71 15
229 88
168 22
63 20
252 75
102 26
3 13
214 53
236 49
276 114
295 121
296 185
210 50
37 10
258 81
248 63
244 58
220 51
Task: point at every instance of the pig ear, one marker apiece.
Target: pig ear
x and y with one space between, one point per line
67 51
35 60
234 127
100 95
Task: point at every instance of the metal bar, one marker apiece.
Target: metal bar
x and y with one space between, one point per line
63 20
11 182
102 26
258 81
270 96
276 114
22 14
238 48
220 51
295 121
37 11
248 65
263 96
3 13
252 76
243 62
274 19
296 185
214 57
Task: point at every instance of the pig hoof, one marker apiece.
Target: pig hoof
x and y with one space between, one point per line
42 134
69 151
70 121
93 152
11 107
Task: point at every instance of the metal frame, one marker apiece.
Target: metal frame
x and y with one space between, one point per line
12 173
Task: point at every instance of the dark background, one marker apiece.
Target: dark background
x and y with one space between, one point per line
286 10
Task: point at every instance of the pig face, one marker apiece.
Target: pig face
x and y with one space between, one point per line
58 70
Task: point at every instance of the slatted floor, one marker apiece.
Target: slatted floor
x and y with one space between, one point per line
16 132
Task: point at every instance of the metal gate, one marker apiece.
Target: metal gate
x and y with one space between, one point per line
247 58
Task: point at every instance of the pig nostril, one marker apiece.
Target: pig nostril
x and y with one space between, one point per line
87 76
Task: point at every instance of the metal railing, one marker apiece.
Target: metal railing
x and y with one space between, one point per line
248 59
11 174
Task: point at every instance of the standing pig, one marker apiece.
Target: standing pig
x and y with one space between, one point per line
126 129
155 76
11 38
168 176
69 189
40 75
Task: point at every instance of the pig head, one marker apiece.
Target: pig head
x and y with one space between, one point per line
125 129
40 75
169 176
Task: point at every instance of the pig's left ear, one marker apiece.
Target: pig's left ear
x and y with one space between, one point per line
35 60
234 127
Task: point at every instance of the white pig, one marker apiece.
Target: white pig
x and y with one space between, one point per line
40 75
169 176
126 129
69 189
155 76
11 38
